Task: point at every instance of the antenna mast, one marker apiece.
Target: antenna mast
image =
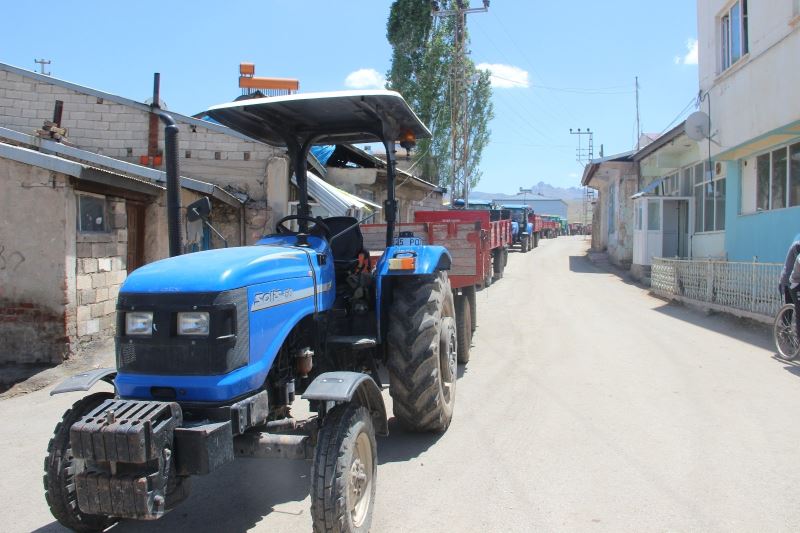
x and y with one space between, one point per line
459 98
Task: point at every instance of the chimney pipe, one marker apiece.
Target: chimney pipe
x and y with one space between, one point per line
173 184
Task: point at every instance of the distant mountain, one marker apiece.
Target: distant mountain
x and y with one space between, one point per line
542 188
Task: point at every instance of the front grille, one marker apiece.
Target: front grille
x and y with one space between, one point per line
166 353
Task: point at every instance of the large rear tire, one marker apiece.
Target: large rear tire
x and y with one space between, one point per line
463 327
785 334
343 472
60 468
525 244
422 352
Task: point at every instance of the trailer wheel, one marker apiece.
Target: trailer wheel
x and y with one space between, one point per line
498 265
422 352
470 295
463 328
60 468
343 471
505 256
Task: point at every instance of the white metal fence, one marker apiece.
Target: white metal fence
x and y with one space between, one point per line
748 289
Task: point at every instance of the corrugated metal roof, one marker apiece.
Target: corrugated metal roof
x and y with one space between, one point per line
336 201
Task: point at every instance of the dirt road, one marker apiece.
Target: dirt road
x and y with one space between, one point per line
588 406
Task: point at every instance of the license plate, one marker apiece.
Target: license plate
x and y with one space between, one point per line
407 241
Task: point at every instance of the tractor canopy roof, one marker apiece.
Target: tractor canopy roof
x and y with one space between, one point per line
323 118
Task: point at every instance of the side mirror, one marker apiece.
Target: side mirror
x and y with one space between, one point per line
199 210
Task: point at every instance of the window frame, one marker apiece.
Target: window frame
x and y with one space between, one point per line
770 186
727 35
79 222
700 192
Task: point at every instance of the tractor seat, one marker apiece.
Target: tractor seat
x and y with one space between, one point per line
345 247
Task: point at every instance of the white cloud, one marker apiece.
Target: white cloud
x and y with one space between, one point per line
365 78
506 76
573 175
691 54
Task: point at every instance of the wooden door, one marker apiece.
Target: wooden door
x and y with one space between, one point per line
135 212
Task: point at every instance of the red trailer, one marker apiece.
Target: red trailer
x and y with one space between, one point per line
475 243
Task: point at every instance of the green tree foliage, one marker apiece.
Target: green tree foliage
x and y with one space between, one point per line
422 57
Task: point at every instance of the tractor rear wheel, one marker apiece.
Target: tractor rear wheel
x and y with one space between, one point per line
536 240
463 327
343 471
525 244
60 468
422 352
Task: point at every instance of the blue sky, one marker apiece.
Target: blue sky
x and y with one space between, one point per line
574 62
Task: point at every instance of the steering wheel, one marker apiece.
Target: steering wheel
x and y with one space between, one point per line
318 224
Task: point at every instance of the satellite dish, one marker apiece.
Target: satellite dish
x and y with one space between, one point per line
697 126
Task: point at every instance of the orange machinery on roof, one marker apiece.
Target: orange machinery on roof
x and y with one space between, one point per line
249 82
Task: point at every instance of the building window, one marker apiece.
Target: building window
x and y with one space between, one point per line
91 213
709 200
733 34
654 215
778 178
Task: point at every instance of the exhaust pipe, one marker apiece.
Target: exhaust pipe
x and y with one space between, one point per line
173 184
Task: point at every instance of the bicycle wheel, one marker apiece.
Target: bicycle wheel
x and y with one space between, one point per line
785 334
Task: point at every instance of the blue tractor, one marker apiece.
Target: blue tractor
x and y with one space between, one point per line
213 347
522 230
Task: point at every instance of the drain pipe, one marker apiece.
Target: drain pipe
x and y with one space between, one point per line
173 184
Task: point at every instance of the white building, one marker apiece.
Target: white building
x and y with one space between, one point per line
749 67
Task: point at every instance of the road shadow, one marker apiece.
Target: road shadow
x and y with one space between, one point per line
742 329
402 445
234 498
581 265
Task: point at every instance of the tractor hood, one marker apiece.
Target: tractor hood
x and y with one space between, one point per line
219 270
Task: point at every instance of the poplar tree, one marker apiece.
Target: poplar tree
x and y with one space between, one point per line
422 56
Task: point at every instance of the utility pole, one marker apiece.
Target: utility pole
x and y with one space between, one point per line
42 63
587 154
638 125
459 98
584 153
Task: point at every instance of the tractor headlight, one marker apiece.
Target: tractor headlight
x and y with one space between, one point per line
194 323
139 323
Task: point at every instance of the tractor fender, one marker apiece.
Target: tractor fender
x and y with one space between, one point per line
353 387
429 260
85 380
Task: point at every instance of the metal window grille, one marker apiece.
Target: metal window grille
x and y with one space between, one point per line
751 289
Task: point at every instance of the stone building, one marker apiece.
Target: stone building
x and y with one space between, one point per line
615 178
72 225
121 128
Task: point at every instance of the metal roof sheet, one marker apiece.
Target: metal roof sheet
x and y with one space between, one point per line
330 117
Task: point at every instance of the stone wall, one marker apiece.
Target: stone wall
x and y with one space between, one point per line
100 270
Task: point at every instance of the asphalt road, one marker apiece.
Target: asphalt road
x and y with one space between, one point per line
588 406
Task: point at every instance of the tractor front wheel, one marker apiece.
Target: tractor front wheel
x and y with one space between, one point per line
60 468
422 352
343 472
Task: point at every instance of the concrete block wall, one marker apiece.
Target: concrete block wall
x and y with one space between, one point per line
116 129
100 270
